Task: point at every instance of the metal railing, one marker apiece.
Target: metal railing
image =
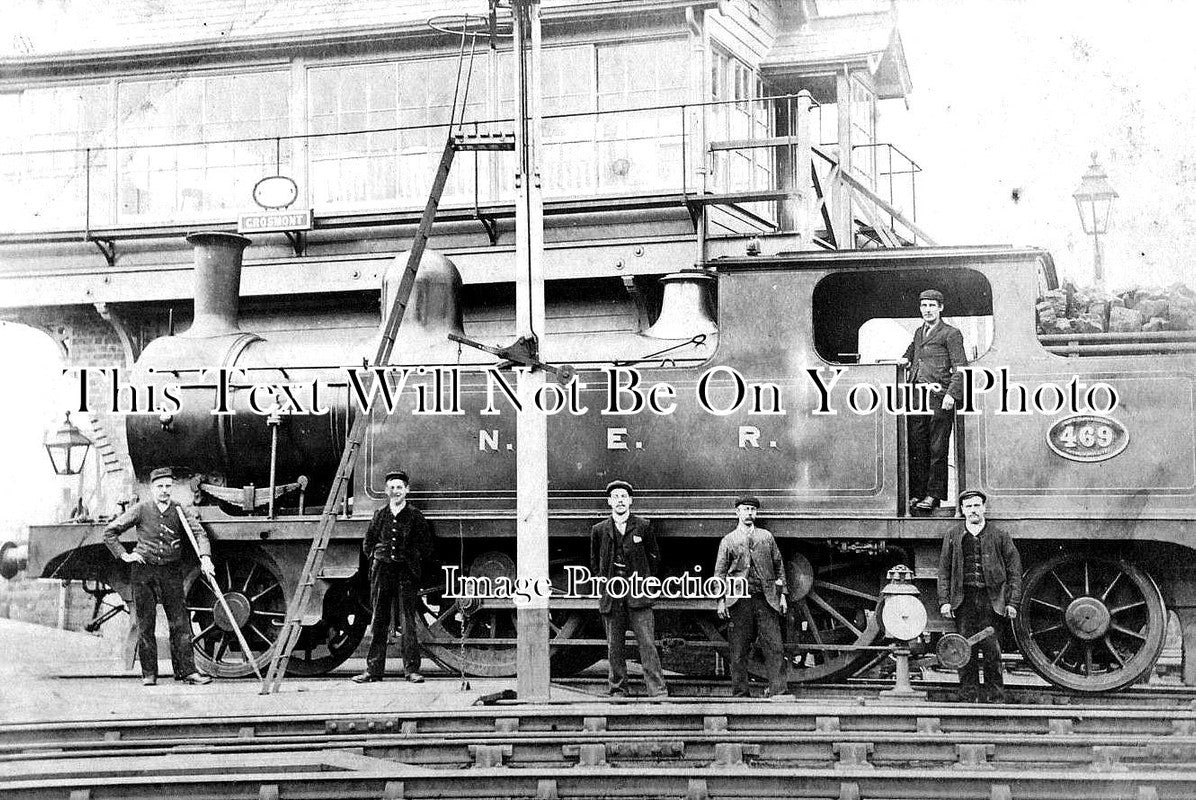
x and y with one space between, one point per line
740 148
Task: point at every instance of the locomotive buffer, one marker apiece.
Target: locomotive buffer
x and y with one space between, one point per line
531 510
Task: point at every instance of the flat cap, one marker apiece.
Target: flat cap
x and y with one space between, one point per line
964 495
624 485
161 472
747 500
398 475
931 294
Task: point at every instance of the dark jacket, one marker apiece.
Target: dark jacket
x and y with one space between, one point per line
639 548
999 559
405 539
160 536
733 561
938 358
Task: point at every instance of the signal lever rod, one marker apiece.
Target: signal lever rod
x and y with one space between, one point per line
524 351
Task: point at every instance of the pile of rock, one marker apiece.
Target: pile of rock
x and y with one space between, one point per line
1089 310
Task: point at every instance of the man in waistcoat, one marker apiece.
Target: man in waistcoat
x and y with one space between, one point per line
156 575
623 546
979 583
397 545
934 358
751 554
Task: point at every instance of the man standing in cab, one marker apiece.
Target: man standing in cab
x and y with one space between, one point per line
934 359
156 575
751 554
979 582
623 546
397 546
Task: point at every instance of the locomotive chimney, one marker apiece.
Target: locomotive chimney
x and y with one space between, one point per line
685 309
217 282
434 310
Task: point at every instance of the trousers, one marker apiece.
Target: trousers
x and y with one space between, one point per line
391 586
974 615
751 618
155 585
643 625
929 443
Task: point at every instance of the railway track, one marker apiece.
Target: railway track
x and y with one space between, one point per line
679 748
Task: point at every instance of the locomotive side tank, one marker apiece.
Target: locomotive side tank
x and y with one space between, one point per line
759 399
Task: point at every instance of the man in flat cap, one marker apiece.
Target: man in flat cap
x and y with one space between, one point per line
397 546
751 553
624 546
934 358
979 582
156 574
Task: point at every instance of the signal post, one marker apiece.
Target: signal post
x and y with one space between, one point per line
531 504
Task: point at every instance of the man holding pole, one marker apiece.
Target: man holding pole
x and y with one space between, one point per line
156 575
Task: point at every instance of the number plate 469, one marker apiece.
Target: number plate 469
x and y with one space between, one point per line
1088 437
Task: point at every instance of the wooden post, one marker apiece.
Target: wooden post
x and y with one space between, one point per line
531 503
840 192
802 205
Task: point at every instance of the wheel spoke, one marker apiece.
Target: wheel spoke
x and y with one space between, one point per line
1127 632
249 576
1108 589
1126 607
278 614
199 609
1062 650
809 616
204 632
1087 581
265 592
834 587
1088 659
834 612
1109 646
439 621
1063 585
266 638
1047 629
1045 603
221 646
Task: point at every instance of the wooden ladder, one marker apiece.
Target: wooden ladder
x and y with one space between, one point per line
293 624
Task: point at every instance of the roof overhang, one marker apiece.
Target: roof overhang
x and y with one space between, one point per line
809 57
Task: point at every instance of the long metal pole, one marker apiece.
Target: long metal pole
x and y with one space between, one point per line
216 590
1098 258
531 504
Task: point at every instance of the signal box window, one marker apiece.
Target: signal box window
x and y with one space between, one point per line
869 316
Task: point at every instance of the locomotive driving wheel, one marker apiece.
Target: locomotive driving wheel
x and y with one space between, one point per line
832 603
327 644
478 637
253 591
1090 624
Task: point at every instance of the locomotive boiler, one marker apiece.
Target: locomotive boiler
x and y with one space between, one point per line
765 374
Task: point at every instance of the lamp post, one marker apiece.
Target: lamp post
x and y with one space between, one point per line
1094 200
67 448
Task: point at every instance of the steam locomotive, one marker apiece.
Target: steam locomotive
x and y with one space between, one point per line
775 368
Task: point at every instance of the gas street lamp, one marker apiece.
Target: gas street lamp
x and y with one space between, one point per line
67 448
1094 200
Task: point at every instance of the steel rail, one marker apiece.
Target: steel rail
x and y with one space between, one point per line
678 716
928 745
371 778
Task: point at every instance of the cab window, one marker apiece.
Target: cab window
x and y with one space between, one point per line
868 316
